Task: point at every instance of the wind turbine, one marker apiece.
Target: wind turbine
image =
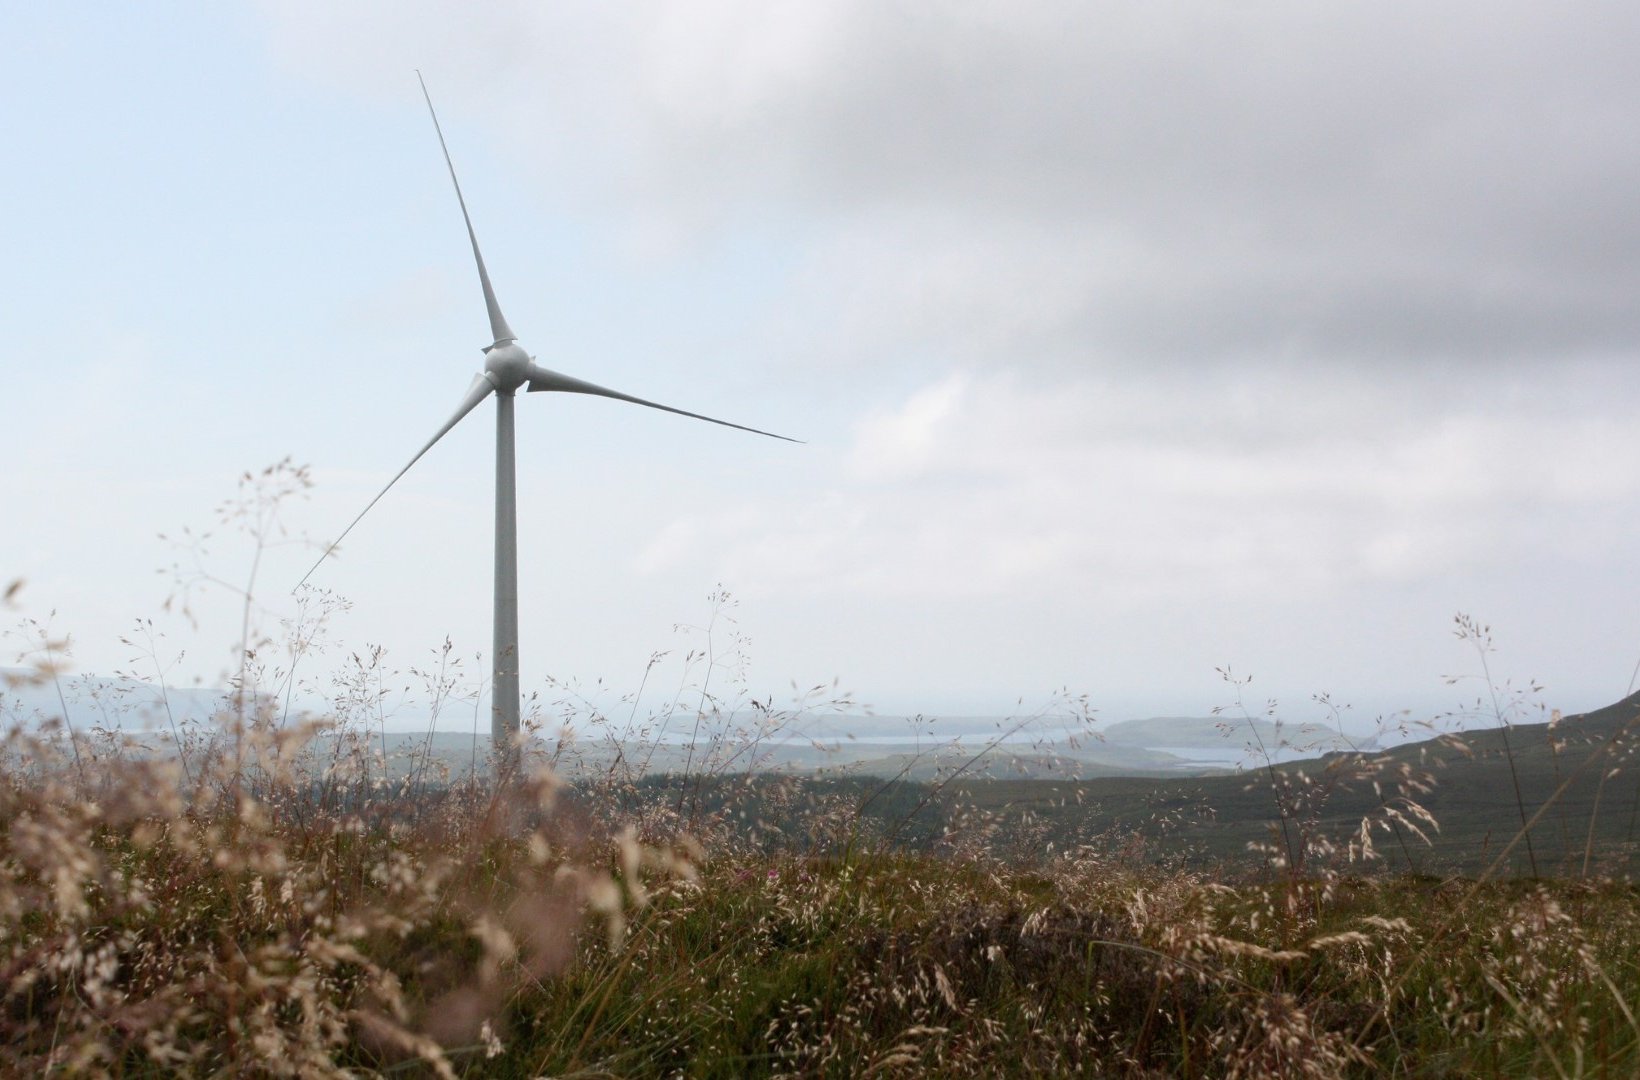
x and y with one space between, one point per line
507 368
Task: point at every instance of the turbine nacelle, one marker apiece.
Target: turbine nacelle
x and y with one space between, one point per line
507 365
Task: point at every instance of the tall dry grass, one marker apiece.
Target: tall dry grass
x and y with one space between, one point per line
274 895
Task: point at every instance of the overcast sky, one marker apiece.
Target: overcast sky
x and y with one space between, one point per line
1130 341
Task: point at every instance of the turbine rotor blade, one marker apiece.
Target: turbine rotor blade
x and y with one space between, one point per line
541 378
498 321
480 389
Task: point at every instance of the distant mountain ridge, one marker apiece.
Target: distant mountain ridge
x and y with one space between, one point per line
111 702
1050 744
1198 731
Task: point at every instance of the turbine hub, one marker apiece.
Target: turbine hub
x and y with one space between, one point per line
508 366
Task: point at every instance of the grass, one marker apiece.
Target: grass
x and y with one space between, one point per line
272 898
149 935
248 921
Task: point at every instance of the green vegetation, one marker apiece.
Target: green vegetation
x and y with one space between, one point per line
227 912
1466 784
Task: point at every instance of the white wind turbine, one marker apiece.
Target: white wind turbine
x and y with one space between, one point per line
507 368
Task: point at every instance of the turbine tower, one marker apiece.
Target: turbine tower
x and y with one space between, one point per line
507 368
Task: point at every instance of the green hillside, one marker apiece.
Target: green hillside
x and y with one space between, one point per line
1468 783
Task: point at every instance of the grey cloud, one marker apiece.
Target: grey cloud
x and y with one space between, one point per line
1371 181
1063 183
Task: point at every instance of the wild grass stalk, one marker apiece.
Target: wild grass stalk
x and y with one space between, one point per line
1481 637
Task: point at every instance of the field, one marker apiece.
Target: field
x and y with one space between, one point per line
249 906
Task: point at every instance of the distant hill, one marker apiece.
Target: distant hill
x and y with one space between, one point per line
1003 763
1200 731
584 758
110 702
1126 782
1474 777
885 746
